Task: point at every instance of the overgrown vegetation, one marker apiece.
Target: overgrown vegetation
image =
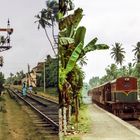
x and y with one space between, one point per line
72 50
84 123
2 80
51 73
15 79
113 71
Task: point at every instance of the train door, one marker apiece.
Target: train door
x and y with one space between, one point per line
108 92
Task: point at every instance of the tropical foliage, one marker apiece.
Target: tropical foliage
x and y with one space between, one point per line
113 71
72 49
51 73
1 81
47 18
118 53
15 79
136 51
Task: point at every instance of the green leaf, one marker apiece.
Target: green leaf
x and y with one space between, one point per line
72 19
62 77
74 57
59 16
101 47
91 46
65 40
80 35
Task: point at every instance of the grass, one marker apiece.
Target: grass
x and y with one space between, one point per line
51 92
84 124
72 138
1 99
16 123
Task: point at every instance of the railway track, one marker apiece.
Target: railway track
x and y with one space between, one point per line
47 110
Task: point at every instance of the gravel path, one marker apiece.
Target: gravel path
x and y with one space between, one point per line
105 127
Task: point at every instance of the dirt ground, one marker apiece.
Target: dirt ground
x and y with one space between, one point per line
15 124
105 127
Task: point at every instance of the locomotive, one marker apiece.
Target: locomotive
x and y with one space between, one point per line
119 97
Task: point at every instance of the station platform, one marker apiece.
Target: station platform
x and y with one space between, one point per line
107 126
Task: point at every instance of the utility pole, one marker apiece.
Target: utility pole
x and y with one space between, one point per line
28 76
44 78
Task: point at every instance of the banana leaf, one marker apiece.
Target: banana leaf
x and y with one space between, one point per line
65 40
74 57
80 35
62 77
72 19
91 46
69 32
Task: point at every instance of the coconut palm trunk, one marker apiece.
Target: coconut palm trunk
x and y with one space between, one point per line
49 41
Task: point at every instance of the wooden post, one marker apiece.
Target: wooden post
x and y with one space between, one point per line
76 112
60 124
65 121
44 79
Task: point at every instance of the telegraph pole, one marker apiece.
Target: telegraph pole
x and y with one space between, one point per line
44 78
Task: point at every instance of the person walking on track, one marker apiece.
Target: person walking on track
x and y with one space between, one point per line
24 89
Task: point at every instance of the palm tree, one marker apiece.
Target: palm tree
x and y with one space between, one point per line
118 53
130 69
65 6
51 14
111 72
136 51
47 17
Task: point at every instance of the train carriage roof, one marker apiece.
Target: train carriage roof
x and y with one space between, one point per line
101 85
113 81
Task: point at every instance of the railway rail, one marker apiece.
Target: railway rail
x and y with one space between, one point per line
46 109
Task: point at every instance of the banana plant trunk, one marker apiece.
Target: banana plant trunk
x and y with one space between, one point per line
76 112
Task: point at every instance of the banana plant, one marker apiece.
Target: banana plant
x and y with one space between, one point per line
71 50
79 50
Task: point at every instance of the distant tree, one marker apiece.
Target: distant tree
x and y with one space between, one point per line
94 81
65 6
51 73
111 72
130 69
51 67
123 71
46 18
136 51
1 82
11 78
118 53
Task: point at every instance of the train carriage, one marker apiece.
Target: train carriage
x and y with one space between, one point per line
119 96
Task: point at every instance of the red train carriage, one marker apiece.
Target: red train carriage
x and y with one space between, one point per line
118 96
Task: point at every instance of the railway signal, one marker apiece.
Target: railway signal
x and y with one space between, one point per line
5 40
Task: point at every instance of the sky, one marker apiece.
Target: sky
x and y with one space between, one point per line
29 45
110 21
